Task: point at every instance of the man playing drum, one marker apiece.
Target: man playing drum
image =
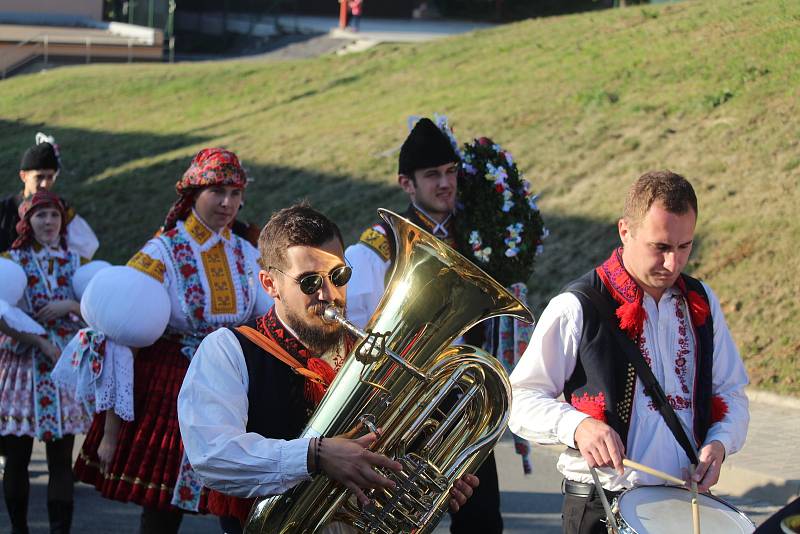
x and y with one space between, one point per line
677 325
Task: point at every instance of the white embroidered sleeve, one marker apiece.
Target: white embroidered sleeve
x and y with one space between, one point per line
212 411
151 260
729 379
539 377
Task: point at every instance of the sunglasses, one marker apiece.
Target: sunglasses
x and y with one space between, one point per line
310 283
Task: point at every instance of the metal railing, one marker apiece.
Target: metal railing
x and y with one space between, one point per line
39 45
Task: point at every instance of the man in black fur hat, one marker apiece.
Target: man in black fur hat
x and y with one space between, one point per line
428 172
39 169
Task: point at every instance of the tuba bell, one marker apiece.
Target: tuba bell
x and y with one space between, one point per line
442 408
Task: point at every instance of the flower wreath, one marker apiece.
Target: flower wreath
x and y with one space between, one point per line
498 223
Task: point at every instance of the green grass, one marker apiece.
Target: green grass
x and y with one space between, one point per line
585 103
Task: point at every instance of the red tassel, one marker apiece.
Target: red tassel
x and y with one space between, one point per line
719 408
314 391
698 308
593 406
631 318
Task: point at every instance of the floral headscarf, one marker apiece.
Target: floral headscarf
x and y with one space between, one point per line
41 198
211 166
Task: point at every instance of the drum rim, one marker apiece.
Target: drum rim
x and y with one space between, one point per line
709 495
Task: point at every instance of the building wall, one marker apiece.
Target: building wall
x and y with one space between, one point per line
80 8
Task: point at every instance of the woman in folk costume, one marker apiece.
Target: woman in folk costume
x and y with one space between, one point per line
210 275
31 404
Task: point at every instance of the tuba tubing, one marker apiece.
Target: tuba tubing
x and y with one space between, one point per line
442 408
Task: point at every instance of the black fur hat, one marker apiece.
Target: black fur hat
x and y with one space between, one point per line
41 156
426 146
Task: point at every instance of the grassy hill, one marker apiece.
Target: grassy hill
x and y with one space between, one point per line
585 103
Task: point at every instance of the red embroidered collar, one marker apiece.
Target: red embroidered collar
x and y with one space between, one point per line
269 325
629 295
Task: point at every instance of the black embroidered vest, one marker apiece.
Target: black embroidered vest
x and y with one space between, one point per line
603 380
277 407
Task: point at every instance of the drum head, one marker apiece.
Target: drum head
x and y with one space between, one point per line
668 510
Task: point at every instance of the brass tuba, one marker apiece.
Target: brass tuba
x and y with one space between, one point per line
442 408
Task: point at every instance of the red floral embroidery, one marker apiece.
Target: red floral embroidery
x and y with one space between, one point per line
185 494
719 408
593 406
43 368
45 402
33 280
198 314
187 270
676 401
61 281
47 436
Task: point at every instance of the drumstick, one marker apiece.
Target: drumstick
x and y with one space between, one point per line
655 472
695 507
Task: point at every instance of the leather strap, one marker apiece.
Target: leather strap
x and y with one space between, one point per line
272 347
651 386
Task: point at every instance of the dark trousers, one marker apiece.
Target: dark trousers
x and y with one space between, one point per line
60 486
155 521
230 525
481 513
584 514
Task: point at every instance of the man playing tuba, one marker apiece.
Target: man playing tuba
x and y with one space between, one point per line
249 392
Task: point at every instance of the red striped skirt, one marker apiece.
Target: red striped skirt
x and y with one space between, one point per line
149 449
229 506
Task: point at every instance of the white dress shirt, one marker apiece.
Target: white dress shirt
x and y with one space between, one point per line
365 289
538 380
81 238
212 411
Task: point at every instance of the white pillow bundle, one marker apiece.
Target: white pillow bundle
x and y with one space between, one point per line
124 308
11 291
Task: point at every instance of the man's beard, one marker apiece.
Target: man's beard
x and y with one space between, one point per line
318 338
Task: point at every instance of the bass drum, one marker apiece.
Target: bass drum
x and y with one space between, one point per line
668 510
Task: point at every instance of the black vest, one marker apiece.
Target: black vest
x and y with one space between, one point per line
277 407
601 366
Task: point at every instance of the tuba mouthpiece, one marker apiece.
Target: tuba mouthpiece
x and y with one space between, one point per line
330 313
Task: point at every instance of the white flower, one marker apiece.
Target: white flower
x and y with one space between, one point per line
497 148
507 205
539 250
545 233
511 252
498 174
442 124
469 169
474 238
483 254
509 158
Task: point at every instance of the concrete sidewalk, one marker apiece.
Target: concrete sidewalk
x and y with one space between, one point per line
767 468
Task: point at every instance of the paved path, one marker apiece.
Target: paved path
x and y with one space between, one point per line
758 480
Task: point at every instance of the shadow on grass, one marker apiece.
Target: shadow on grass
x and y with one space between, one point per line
128 204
